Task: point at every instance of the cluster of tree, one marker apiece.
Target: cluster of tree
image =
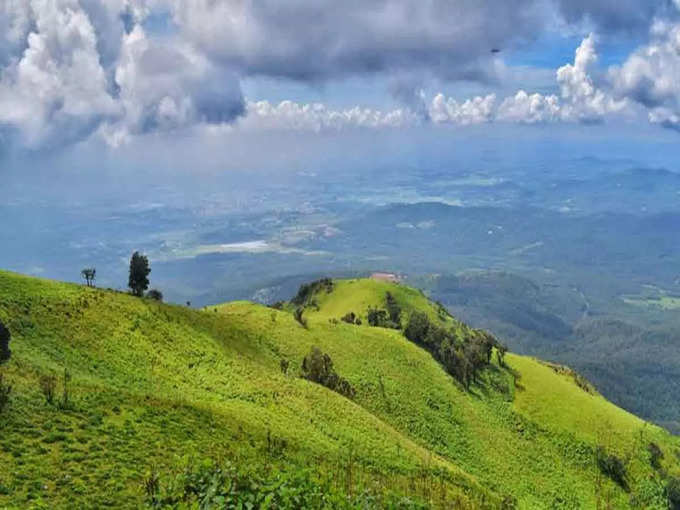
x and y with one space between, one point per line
390 317
463 357
307 291
5 337
318 367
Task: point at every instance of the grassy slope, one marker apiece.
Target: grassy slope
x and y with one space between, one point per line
154 383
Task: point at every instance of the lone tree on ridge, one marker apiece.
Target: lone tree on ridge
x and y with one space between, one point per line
139 274
89 274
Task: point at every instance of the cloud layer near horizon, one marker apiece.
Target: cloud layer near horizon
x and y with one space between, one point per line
73 69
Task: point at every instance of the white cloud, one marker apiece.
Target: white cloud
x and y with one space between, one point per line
164 86
530 108
288 115
580 98
651 75
69 68
472 111
57 87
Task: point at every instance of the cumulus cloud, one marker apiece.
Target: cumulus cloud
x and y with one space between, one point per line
530 108
472 111
165 86
57 88
580 99
69 68
288 115
651 75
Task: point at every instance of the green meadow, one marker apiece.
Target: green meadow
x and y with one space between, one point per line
164 406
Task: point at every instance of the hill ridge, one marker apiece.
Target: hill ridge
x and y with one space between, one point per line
156 391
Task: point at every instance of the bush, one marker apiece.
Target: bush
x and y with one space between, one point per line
284 364
351 318
155 294
5 337
612 466
655 455
318 367
673 493
48 385
393 310
298 316
5 390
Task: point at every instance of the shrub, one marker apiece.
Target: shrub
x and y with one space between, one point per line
5 337
298 316
284 364
350 318
673 493
393 310
655 455
612 466
155 294
5 390
209 485
48 385
318 367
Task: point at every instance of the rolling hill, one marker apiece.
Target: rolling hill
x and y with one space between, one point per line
123 402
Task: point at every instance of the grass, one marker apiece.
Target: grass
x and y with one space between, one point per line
156 389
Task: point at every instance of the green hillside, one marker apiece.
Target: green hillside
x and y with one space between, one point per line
168 406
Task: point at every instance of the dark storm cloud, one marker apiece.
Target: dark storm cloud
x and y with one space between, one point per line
320 40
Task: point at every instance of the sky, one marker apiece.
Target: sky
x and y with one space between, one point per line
116 74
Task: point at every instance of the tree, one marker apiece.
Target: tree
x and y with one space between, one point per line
89 273
155 294
5 337
139 274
